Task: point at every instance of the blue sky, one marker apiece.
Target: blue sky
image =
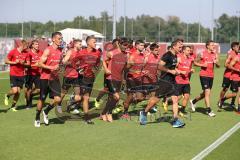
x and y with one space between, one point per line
59 10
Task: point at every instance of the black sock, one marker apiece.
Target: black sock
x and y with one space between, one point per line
49 108
38 115
208 109
86 117
125 110
13 104
182 109
233 100
223 99
194 101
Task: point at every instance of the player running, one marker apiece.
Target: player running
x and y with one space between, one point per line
18 60
226 78
208 60
49 79
167 83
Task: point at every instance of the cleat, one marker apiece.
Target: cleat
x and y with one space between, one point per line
125 116
142 118
14 109
97 104
59 109
165 106
153 110
45 118
117 110
178 124
37 123
211 114
75 111
6 100
193 106
89 122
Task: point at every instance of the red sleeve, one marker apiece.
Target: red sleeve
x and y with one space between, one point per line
10 55
28 57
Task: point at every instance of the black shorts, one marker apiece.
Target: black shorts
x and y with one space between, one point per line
226 82
234 86
16 81
134 85
105 81
171 80
149 87
206 82
86 85
51 87
69 82
113 85
183 89
30 80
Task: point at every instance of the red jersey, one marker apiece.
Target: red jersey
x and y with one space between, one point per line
71 71
208 58
34 58
17 69
228 72
185 64
53 59
151 68
136 69
193 56
235 76
116 65
88 60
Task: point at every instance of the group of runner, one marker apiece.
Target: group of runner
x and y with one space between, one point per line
138 67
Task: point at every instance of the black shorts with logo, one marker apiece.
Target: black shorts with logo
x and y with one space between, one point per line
51 87
134 85
226 82
206 82
183 89
86 84
234 86
32 79
16 81
69 82
168 79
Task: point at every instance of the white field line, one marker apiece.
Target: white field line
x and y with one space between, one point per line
215 144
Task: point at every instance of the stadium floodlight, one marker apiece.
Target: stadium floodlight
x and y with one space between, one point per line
114 19
124 26
212 26
238 15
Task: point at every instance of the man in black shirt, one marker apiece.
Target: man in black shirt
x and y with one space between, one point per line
167 84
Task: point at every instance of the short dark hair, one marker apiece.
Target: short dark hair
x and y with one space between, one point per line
233 44
124 40
153 46
208 42
138 41
169 47
175 42
76 40
33 41
56 33
90 37
184 47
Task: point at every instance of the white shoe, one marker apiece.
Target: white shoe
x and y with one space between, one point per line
37 123
59 109
211 114
193 106
75 111
45 118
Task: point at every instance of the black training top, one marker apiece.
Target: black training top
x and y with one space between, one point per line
170 63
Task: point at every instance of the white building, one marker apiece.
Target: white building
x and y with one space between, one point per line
70 33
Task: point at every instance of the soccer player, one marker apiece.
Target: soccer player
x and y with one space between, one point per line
208 60
89 60
182 80
234 66
49 79
226 78
116 60
18 60
135 64
167 65
33 84
70 77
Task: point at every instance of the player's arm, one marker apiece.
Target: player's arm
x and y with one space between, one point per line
232 63
196 62
179 71
8 59
227 61
161 67
130 62
105 61
67 57
216 61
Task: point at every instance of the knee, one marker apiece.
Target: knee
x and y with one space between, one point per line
77 98
57 99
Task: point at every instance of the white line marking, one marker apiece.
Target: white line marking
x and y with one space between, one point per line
215 144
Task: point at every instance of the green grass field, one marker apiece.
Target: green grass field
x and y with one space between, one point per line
120 140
